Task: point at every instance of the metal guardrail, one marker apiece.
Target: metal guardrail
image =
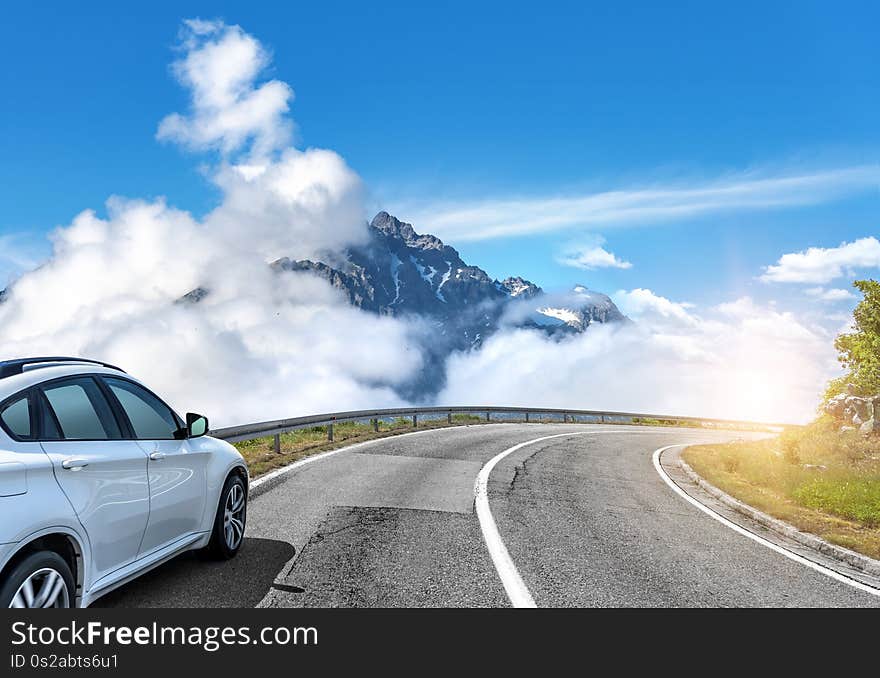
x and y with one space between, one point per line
276 428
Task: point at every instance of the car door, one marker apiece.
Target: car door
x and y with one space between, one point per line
103 474
177 470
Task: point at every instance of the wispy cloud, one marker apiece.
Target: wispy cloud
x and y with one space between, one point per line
819 265
513 216
834 294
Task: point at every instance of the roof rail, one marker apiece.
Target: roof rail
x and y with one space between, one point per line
9 368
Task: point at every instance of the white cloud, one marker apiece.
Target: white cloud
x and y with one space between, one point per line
230 109
591 256
513 216
741 361
643 304
821 265
834 294
261 345
305 203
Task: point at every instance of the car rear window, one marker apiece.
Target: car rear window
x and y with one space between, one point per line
16 417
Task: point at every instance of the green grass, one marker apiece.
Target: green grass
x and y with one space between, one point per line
857 499
817 478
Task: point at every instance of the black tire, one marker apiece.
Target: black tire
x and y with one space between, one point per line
34 563
219 547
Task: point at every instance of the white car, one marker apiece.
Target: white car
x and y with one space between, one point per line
101 481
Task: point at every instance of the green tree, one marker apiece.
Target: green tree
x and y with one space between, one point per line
859 350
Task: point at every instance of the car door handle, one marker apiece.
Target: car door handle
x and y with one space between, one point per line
74 464
157 456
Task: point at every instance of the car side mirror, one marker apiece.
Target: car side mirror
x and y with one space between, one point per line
196 425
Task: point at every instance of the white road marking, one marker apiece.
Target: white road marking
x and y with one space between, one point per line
516 590
827 571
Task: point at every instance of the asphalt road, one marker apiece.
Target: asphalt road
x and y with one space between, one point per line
586 519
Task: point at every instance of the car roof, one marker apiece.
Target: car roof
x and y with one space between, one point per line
37 375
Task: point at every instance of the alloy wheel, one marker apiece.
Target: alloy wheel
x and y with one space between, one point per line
44 588
233 517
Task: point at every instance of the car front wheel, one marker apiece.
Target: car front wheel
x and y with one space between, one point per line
231 518
42 579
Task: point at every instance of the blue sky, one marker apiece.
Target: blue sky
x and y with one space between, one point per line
447 107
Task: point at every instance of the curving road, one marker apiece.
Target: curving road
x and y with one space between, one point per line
586 520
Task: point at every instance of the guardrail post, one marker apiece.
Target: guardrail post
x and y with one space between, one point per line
415 420
330 432
276 443
449 418
375 423
527 417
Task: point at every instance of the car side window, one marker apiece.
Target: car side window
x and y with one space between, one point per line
150 418
16 417
80 410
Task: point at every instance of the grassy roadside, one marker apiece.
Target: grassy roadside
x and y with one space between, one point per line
817 479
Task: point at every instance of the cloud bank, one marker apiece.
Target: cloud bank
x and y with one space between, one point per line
260 345
741 360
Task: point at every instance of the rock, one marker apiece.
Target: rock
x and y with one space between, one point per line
835 406
855 412
870 427
863 408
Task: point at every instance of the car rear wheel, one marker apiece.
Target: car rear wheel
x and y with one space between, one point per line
231 518
42 579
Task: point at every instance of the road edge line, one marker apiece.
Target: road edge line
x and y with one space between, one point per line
822 569
847 557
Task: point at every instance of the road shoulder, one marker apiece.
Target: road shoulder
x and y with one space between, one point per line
846 563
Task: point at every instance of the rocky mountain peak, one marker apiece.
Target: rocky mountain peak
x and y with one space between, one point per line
520 287
393 227
399 272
